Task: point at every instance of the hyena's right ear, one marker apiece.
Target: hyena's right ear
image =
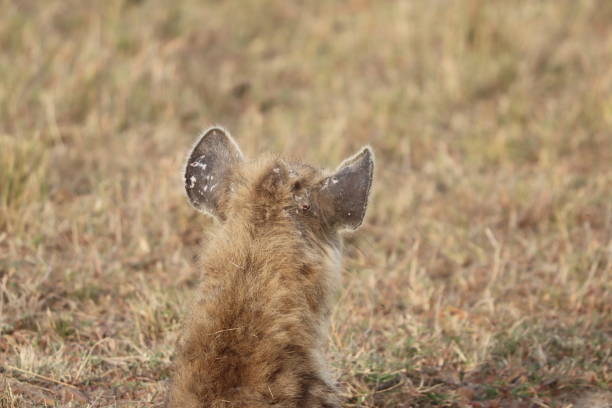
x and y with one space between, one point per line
343 196
209 169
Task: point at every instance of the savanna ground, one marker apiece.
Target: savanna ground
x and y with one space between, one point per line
483 274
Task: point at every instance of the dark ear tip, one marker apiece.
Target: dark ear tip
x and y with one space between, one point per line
218 134
368 152
211 132
216 129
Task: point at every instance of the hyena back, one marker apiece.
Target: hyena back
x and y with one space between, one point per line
255 336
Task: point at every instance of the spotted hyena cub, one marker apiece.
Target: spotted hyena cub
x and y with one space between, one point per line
256 333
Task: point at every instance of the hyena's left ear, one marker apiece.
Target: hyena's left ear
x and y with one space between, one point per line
209 169
343 196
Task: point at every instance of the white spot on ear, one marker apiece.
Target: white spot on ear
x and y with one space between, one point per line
192 181
198 162
334 179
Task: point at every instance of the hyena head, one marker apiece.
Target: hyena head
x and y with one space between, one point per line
271 192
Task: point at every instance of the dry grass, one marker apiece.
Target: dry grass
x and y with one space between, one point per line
482 277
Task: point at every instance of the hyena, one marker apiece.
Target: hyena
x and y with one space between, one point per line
256 333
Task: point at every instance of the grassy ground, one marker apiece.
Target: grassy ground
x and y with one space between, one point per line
483 274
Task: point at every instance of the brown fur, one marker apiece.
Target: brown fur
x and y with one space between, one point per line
254 338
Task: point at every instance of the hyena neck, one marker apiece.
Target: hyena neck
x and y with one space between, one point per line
294 268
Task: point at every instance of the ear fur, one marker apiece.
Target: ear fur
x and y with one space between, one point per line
343 196
209 169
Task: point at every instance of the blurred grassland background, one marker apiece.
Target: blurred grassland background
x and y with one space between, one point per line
482 276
